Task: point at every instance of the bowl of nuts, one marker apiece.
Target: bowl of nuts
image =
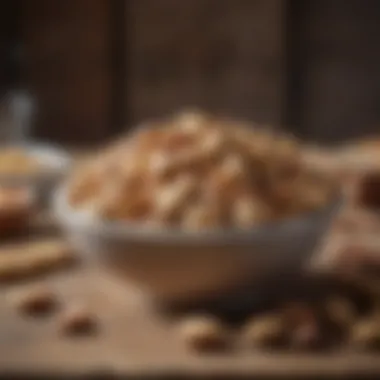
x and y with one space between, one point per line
195 205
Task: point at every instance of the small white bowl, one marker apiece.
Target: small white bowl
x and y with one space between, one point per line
176 266
54 161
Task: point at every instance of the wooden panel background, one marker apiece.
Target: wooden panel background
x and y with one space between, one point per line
342 76
67 55
96 65
8 36
226 56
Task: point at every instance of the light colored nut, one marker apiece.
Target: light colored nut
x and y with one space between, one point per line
177 141
233 167
365 334
306 336
124 204
84 183
203 333
160 164
171 199
212 143
314 198
146 139
191 121
248 212
267 330
201 216
286 150
340 311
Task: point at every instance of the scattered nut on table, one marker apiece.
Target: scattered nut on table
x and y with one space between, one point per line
365 334
297 313
33 300
265 331
340 311
307 336
77 320
203 333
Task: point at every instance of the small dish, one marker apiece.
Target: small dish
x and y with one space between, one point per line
53 163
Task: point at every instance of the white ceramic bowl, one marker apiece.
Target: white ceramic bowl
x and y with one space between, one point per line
178 266
55 163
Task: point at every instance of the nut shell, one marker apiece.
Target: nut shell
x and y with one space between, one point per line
77 320
34 301
265 331
365 334
203 333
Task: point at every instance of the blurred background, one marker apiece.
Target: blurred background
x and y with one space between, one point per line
91 67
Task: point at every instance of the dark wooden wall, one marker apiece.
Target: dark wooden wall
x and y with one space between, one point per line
311 65
67 61
9 33
340 46
226 56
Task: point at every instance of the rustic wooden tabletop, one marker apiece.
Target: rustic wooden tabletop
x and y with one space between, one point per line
133 339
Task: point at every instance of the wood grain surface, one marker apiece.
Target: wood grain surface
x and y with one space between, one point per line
133 339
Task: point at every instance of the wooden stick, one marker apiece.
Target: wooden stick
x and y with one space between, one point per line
22 260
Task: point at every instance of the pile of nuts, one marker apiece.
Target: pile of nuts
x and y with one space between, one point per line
196 172
293 326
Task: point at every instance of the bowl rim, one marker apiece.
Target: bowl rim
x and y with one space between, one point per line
85 222
56 160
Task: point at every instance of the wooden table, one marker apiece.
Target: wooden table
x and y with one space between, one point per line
135 340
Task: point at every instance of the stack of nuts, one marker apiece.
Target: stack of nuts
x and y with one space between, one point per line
293 326
196 172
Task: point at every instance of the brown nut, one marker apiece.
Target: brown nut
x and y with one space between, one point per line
306 336
365 334
340 311
38 300
265 331
298 313
367 191
77 321
203 333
